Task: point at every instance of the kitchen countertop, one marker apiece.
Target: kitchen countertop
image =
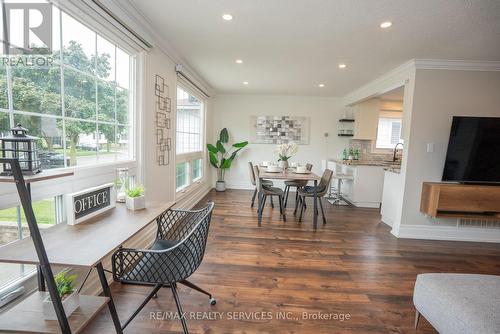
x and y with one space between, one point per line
387 164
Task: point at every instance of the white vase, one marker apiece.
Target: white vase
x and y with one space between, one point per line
220 186
70 304
284 164
135 203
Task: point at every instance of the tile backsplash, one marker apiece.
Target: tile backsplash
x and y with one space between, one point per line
365 148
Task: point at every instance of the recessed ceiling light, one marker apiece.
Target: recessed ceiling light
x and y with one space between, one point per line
321 85
227 17
386 24
238 61
245 82
342 65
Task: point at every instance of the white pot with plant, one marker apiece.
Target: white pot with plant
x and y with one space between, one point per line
69 296
135 198
222 156
285 152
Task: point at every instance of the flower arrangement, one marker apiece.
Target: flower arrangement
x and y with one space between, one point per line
286 151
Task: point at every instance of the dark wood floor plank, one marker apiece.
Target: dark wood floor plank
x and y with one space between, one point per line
352 265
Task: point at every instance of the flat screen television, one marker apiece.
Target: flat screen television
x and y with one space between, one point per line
473 154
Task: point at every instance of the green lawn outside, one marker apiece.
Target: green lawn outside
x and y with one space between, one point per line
44 213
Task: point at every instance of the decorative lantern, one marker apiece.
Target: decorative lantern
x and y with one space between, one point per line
23 147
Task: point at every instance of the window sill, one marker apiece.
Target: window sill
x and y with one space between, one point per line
188 190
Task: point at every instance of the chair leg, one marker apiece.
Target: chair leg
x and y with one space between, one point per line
285 193
197 288
281 204
272 203
253 197
297 200
303 204
417 318
322 210
182 315
262 205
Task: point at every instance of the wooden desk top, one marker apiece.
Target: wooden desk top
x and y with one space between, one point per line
85 244
45 175
287 175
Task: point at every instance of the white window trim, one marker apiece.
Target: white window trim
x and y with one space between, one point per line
384 150
195 184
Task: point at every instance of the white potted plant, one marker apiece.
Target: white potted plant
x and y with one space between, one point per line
135 198
285 152
69 296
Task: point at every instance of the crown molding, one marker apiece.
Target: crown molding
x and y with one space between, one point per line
457 65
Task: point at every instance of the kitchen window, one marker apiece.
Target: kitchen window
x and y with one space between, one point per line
80 106
189 138
388 132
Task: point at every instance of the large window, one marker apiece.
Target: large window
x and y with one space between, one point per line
80 105
389 132
189 138
13 226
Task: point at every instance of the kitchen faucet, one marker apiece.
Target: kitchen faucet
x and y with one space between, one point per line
395 151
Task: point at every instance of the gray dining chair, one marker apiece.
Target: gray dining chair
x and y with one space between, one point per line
270 191
254 183
321 191
297 184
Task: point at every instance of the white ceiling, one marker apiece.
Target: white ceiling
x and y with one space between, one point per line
290 46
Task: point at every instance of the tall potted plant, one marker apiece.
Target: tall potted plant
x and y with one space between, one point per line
222 156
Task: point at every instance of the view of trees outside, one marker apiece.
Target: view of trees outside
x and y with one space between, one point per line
79 108
96 99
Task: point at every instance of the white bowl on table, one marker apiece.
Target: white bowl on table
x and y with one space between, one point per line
273 169
302 170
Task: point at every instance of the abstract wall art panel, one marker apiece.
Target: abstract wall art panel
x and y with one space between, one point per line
279 129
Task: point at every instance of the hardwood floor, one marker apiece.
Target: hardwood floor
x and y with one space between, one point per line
352 266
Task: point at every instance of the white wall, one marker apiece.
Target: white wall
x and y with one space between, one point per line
438 96
234 111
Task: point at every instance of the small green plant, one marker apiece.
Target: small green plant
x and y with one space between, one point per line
136 191
64 283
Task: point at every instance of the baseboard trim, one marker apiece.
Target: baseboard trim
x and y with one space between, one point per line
448 233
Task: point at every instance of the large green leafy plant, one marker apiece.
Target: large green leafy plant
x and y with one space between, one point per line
222 154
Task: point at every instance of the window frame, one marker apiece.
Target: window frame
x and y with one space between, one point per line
85 175
133 117
190 157
387 115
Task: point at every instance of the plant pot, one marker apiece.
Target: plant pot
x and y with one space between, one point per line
135 203
284 164
70 304
220 186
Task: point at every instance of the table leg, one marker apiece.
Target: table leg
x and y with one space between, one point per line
259 201
107 292
40 279
315 208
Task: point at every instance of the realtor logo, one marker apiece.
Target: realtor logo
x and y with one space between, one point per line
27 28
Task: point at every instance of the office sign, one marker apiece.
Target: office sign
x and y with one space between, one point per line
88 203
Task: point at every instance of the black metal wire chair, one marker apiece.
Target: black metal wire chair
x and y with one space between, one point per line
174 256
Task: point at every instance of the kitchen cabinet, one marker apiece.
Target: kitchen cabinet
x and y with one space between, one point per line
366 119
391 198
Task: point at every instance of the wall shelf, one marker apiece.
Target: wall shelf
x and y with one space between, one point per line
346 134
347 120
460 201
